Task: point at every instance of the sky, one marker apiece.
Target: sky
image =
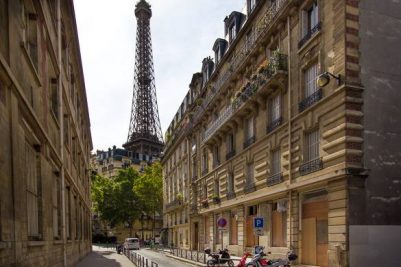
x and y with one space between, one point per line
183 33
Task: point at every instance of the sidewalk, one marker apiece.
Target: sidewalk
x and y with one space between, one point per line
101 257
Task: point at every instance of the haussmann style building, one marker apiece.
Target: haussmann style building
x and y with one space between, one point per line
45 137
296 120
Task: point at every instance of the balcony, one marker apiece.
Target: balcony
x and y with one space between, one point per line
274 124
194 208
277 64
194 178
205 203
249 187
311 166
173 204
231 194
249 141
275 179
309 34
230 155
216 200
312 99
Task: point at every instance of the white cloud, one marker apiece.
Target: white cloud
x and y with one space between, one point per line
183 33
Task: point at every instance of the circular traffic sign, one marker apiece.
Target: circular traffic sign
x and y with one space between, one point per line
222 222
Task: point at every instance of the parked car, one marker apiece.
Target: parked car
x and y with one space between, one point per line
131 243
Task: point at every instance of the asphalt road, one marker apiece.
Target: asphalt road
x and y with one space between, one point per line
161 259
102 257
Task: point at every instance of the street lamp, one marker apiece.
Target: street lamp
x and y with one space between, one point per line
324 79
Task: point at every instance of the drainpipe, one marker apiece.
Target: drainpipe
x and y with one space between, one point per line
289 121
61 121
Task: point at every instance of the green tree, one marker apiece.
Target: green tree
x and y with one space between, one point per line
149 188
115 200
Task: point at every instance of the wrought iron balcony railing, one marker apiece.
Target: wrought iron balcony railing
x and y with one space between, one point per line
249 141
309 34
249 187
274 124
310 100
275 179
311 166
278 62
230 194
175 203
230 154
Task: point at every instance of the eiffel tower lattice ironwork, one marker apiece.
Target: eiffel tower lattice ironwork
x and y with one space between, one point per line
144 135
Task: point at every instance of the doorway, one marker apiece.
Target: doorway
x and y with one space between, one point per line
315 229
195 245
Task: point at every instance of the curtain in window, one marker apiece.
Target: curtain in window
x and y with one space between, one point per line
276 162
313 145
310 76
275 108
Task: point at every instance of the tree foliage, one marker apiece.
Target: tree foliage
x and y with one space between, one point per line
129 195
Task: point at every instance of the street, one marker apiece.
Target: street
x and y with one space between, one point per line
103 257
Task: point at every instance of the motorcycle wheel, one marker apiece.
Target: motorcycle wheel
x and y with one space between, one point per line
251 264
230 263
210 263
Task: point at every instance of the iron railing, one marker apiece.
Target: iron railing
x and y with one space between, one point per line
194 208
249 187
274 124
192 255
309 34
262 27
275 179
249 141
230 194
140 260
230 154
311 166
173 204
310 100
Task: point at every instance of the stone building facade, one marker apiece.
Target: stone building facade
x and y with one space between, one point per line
258 136
45 217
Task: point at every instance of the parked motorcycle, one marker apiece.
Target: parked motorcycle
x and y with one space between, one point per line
119 248
259 261
242 261
222 257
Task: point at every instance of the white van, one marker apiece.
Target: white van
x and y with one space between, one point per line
131 243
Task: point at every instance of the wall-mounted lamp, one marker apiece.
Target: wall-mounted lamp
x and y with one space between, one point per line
324 79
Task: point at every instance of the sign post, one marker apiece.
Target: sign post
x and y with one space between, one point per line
258 225
222 224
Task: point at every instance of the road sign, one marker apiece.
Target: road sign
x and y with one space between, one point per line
222 223
258 223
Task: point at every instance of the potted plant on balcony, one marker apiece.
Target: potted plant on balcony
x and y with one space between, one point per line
262 67
216 198
179 198
205 203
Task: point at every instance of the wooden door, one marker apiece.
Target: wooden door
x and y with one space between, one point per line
250 236
309 241
233 231
315 221
196 236
278 238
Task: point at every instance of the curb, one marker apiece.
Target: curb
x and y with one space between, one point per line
187 261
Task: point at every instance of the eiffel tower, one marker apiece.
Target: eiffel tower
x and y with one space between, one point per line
144 135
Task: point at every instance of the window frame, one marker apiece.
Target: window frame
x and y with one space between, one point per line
309 150
309 82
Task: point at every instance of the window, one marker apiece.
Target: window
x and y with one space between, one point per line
216 156
34 191
30 31
250 174
310 76
54 97
4 27
2 92
233 229
249 40
276 162
217 188
312 146
250 128
204 191
204 161
56 206
233 32
251 5
217 55
66 130
230 182
312 18
193 145
279 224
68 212
275 108
76 217
230 143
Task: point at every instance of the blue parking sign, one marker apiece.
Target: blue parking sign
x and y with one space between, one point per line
258 223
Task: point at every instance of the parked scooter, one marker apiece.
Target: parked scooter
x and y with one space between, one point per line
242 261
259 261
222 257
119 248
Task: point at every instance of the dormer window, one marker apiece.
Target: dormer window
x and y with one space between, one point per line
251 5
207 69
219 49
217 55
233 32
